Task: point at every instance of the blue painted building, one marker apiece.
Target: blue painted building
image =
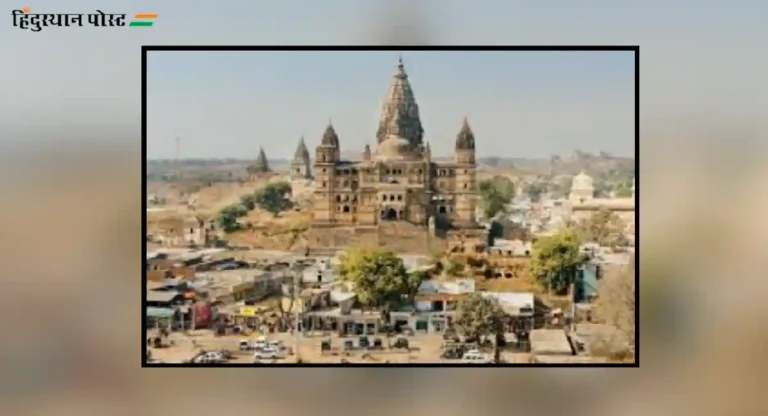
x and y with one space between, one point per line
587 281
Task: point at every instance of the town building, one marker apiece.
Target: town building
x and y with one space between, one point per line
181 232
584 204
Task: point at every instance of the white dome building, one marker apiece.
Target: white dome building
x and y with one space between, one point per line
583 204
582 188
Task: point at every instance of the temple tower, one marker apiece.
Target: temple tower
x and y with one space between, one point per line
326 156
301 163
259 167
466 200
400 113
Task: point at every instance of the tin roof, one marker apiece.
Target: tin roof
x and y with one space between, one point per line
153 312
157 296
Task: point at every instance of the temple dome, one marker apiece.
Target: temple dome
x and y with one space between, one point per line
582 181
394 148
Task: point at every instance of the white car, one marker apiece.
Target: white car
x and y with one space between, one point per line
260 343
266 353
475 357
275 343
210 357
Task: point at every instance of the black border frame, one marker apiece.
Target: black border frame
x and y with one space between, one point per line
593 48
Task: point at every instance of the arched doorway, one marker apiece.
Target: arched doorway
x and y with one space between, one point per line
389 214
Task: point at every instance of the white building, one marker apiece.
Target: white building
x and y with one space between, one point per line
583 203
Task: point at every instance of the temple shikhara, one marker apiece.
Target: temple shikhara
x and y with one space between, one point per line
397 180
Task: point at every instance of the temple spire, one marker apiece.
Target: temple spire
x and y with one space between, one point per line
400 113
262 165
465 140
330 138
302 153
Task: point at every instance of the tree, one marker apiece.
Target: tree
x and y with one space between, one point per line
563 188
293 293
554 259
479 317
248 201
228 220
602 188
604 228
623 190
454 268
495 194
534 191
615 306
274 198
380 278
236 211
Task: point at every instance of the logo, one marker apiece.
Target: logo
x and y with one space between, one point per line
26 20
143 20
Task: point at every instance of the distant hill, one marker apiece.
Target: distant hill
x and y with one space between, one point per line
232 169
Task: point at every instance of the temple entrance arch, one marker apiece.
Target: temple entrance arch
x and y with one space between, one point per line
389 214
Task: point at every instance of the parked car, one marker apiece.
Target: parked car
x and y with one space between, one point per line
260 343
401 343
266 353
452 353
276 344
475 357
453 350
211 357
245 345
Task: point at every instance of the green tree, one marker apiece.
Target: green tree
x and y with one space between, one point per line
380 279
554 259
248 201
228 217
623 190
453 268
602 188
236 211
495 194
274 198
479 317
534 191
604 228
228 221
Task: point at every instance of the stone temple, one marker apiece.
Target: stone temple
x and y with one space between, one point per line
397 181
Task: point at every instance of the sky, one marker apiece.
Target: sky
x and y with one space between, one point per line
520 104
700 61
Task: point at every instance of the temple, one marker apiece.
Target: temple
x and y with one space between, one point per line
397 181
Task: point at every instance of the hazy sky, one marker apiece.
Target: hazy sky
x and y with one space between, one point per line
701 63
225 104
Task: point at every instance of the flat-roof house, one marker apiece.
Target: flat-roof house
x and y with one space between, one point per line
164 299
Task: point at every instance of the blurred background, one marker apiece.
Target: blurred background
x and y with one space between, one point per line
70 220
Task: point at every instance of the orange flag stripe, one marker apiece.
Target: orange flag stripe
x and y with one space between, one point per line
145 16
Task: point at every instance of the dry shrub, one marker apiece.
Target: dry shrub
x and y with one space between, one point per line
615 307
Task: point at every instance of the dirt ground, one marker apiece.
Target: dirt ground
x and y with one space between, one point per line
423 349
